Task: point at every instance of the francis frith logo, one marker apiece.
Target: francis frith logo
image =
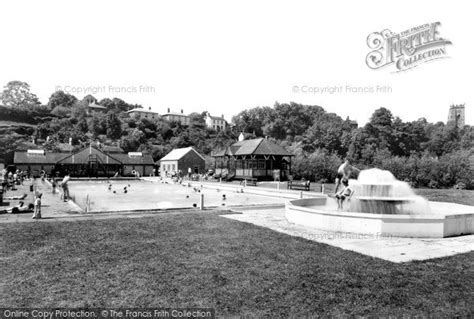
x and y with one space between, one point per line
407 49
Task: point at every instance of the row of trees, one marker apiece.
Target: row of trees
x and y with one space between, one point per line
423 153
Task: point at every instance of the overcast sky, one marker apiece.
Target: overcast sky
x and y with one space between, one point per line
225 57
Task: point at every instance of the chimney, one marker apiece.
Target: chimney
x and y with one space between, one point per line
181 111
168 110
241 137
70 141
222 115
149 108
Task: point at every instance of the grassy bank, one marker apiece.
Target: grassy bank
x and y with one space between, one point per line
207 260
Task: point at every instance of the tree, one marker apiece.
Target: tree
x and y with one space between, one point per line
60 98
82 126
97 124
108 103
18 94
114 126
381 117
120 105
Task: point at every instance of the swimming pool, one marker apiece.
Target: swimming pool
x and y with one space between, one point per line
138 195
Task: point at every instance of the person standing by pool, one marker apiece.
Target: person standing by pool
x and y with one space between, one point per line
37 209
54 184
65 187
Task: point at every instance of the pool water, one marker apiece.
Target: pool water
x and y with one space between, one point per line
154 195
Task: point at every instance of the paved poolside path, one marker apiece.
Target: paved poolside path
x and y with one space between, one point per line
51 204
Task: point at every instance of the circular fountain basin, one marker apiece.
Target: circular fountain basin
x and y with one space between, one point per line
444 219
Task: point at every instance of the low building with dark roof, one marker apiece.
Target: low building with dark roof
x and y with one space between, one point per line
35 161
256 158
90 161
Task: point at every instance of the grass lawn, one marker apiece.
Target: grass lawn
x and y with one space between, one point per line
194 259
459 196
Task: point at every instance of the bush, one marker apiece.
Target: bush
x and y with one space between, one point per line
460 185
317 166
433 184
32 116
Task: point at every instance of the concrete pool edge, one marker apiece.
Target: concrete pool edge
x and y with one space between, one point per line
227 207
255 190
413 226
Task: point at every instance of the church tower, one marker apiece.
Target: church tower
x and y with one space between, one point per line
457 115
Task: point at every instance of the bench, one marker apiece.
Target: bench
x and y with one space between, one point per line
249 182
301 185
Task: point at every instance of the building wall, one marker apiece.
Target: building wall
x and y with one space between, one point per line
35 169
183 119
168 166
457 113
143 170
215 124
144 115
193 161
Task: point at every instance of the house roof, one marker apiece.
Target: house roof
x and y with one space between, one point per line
111 149
47 158
258 146
97 106
178 153
145 159
221 118
141 110
174 114
81 157
217 118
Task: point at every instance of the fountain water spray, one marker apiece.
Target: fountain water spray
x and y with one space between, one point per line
377 191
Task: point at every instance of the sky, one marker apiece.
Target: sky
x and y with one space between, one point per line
228 56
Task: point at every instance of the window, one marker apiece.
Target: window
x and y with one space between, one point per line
253 164
173 167
261 164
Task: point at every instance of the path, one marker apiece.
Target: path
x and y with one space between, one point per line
52 205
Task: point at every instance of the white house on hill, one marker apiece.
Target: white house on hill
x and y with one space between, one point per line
215 122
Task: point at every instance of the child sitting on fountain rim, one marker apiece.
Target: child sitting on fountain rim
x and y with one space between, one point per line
346 192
